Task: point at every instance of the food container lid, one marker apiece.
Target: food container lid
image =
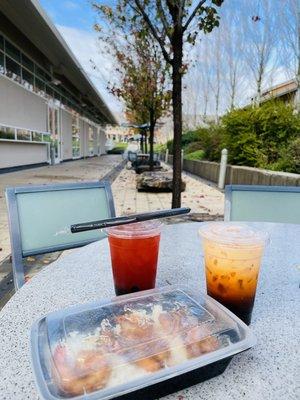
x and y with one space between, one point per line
231 233
138 229
113 347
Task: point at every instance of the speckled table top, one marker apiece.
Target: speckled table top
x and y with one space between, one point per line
268 371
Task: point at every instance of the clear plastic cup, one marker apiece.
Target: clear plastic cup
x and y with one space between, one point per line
232 254
134 253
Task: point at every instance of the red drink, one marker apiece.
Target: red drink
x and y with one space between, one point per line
134 253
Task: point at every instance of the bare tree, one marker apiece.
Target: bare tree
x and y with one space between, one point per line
205 78
290 39
190 99
233 45
214 54
216 83
260 36
192 96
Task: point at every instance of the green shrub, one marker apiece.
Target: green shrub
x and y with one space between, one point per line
289 160
213 141
265 137
191 147
210 139
257 136
160 148
196 155
118 149
170 146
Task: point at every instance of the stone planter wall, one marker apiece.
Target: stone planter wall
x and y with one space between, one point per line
238 175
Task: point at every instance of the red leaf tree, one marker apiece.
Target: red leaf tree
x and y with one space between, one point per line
142 76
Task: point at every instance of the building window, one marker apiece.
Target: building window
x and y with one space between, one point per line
75 136
40 86
2 69
27 79
12 51
13 70
23 134
7 133
27 63
91 141
12 133
49 91
22 69
54 129
42 74
37 136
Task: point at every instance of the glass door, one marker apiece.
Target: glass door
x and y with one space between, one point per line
75 137
90 141
54 129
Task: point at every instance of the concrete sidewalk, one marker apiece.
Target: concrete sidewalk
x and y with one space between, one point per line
90 169
201 196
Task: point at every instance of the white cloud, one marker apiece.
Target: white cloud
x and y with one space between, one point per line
85 47
70 5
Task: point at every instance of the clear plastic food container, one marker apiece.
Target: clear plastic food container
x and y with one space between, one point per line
139 346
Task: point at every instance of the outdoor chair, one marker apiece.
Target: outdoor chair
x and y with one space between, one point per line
40 218
156 157
262 203
132 156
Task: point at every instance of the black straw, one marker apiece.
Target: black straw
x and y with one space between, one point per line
128 219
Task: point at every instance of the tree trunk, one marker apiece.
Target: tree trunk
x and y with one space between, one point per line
177 117
151 140
205 107
260 75
258 83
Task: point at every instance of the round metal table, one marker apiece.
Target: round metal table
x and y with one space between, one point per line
268 371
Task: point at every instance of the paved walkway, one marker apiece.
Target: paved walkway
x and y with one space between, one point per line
89 169
201 196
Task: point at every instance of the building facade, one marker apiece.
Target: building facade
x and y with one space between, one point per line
286 91
46 100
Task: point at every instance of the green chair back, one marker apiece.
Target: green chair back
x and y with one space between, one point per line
40 218
262 203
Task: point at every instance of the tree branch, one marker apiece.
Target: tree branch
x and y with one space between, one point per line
181 10
163 17
191 17
153 30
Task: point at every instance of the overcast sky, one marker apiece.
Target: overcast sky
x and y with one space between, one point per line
75 20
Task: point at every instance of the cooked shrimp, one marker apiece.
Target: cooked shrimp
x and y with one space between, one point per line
153 355
135 326
200 341
88 372
151 364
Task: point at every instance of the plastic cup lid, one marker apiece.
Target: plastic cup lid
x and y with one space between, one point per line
230 233
137 229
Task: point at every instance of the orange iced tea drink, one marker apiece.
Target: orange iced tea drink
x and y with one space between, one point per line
232 255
